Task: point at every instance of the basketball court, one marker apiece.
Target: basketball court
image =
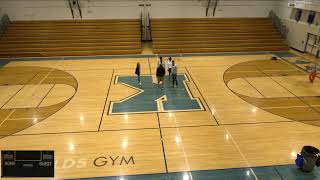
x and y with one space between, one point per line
229 111
246 104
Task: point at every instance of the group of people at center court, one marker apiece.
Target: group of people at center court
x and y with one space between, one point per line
161 71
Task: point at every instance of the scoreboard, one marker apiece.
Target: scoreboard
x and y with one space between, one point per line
27 163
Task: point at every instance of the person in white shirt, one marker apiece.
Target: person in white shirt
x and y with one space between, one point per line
174 72
169 66
160 62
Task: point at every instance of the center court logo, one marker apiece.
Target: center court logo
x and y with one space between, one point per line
150 98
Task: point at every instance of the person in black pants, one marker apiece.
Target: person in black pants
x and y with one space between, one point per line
161 71
169 66
138 72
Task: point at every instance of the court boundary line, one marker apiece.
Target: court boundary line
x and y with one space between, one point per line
192 66
149 65
199 92
305 71
110 69
214 118
278 107
278 173
76 90
254 123
12 96
295 96
241 153
298 97
45 96
105 103
162 143
283 70
24 85
139 91
165 127
245 78
6 118
106 57
192 171
238 95
67 101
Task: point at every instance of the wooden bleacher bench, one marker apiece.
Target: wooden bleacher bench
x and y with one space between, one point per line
205 35
71 38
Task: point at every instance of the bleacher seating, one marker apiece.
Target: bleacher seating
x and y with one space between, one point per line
206 35
71 38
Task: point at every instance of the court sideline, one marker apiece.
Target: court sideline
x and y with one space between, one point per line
82 129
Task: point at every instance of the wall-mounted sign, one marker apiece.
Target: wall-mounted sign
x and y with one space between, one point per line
298 14
292 5
311 17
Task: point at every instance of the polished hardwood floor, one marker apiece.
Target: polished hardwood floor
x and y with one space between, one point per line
248 111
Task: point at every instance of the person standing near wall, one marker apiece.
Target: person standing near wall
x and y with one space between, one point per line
138 72
161 71
160 62
174 72
169 66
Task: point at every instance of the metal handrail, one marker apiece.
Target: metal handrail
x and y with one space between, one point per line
141 26
4 24
70 6
80 12
215 8
277 22
214 5
149 26
304 1
208 6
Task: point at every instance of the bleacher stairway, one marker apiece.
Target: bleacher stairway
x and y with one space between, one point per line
207 35
71 38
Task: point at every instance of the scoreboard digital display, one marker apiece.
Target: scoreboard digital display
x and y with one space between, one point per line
27 163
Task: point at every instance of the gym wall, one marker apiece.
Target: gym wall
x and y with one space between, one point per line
298 31
123 9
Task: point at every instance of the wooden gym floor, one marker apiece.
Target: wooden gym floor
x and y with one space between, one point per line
228 111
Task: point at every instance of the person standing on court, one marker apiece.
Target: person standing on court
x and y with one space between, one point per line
169 66
161 71
138 72
174 72
160 62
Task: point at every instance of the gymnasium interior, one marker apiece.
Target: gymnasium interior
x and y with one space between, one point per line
82 96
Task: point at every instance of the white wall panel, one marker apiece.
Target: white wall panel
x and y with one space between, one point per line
298 31
112 9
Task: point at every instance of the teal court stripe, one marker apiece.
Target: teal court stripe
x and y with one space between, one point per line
301 62
109 57
216 54
141 56
150 98
281 172
36 59
283 54
3 63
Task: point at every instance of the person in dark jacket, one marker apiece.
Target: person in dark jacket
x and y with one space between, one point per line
138 72
161 71
169 66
